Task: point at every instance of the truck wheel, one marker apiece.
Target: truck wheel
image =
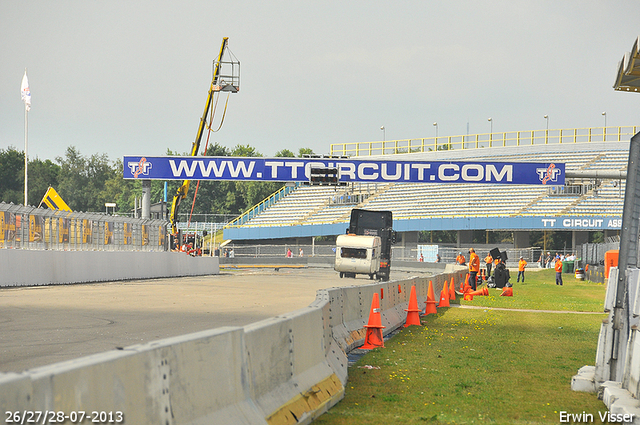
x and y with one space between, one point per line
341 275
371 276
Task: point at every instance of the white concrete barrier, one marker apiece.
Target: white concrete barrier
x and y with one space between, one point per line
29 268
619 395
287 369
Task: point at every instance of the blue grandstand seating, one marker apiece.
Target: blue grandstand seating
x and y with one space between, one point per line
320 204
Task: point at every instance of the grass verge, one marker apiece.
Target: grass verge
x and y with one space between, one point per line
483 365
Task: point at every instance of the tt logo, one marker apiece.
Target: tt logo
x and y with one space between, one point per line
549 174
141 167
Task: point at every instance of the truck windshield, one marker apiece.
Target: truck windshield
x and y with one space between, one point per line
353 253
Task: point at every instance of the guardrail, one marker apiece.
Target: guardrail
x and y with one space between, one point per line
38 228
485 140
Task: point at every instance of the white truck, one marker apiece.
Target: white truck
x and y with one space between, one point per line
357 255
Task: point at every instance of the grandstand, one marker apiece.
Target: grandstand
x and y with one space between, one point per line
581 206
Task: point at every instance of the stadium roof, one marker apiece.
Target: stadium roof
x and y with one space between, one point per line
628 78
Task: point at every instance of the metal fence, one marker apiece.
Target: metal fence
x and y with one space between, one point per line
486 140
593 253
37 228
256 251
402 253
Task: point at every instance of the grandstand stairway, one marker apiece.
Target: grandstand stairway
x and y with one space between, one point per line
378 192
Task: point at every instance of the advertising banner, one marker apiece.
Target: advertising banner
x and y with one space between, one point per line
87 231
7 227
145 234
349 170
108 233
63 230
162 235
128 233
36 224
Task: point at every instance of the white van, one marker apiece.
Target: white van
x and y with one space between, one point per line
357 255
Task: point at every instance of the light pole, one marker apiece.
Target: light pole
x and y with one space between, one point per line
435 124
490 131
604 130
384 134
546 134
604 114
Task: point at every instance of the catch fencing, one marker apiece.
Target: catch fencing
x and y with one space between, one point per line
593 253
399 253
39 229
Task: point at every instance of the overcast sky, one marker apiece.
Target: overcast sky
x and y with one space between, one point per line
131 77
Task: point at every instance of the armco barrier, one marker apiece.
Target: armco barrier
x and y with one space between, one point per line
288 369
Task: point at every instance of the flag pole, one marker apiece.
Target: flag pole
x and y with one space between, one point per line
25 94
26 156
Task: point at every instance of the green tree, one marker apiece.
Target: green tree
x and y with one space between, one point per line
82 180
42 174
285 153
245 150
11 175
122 192
73 179
305 151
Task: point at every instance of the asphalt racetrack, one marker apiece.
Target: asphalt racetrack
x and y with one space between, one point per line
49 324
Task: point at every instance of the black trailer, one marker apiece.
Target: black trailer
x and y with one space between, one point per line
375 223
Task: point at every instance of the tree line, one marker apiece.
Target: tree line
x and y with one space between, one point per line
86 183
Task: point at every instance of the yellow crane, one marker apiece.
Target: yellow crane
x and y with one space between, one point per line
220 82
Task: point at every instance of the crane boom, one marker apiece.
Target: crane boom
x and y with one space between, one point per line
182 191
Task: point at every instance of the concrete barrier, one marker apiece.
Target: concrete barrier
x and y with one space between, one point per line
619 386
287 369
31 268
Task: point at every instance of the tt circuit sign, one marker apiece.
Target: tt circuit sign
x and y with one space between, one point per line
577 223
349 170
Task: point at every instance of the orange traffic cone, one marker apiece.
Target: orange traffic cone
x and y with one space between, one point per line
413 312
468 296
467 287
483 291
444 296
507 292
431 301
464 284
452 291
374 338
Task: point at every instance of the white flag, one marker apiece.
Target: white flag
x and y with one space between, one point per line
26 93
